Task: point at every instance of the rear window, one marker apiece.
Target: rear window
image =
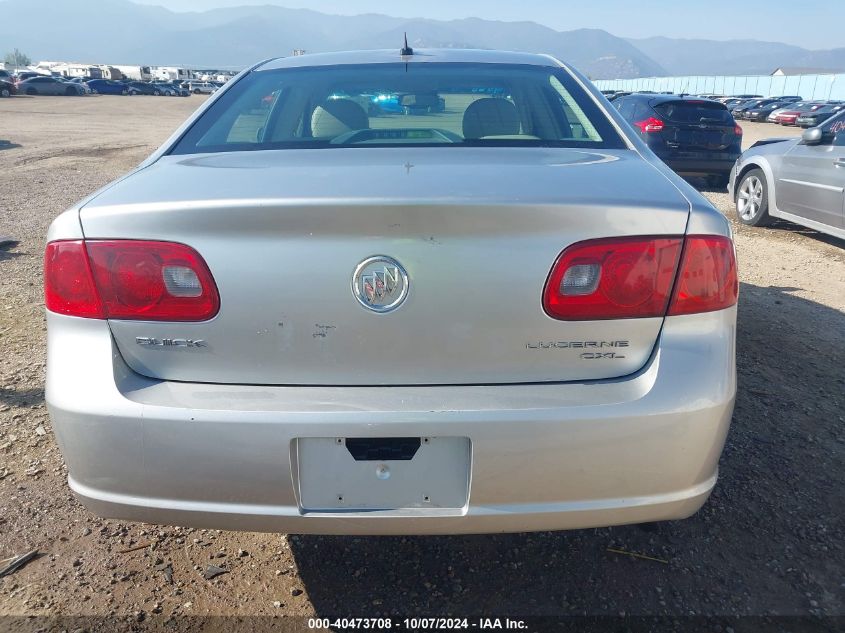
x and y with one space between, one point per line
397 104
694 112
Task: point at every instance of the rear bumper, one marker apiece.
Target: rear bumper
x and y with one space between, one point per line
700 166
544 457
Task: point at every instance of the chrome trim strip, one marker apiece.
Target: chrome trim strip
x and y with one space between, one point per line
813 184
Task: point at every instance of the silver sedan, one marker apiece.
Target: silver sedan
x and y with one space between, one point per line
505 314
800 180
50 86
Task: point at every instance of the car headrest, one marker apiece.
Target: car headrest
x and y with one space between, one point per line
490 117
336 117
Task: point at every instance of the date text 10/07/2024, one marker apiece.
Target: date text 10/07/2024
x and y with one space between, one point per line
416 624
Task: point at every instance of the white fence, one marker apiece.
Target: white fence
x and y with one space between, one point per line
807 86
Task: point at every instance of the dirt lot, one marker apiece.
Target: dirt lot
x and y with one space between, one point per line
770 540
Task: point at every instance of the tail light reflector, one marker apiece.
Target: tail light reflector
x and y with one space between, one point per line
650 125
627 278
619 278
707 279
68 283
129 279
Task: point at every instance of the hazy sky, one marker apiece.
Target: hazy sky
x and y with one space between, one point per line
771 20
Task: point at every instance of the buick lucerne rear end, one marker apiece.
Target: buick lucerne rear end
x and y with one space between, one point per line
492 309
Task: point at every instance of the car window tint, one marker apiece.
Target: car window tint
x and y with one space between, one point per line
694 112
394 104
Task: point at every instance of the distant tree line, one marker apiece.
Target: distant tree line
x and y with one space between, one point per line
17 59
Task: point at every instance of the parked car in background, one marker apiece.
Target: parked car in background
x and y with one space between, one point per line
141 88
50 86
787 98
740 108
747 96
7 88
762 109
168 90
801 180
817 117
621 93
108 87
589 380
732 102
784 107
27 74
202 87
5 75
790 115
695 137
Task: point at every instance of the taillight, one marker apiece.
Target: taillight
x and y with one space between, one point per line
68 283
628 278
737 130
129 279
707 279
649 125
619 278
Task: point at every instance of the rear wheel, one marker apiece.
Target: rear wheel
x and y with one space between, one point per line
124 92
157 93
197 91
5 92
752 199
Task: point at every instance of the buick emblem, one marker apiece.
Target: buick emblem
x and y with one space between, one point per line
380 284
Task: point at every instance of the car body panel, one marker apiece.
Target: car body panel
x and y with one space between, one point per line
544 457
806 184
264 333
811 184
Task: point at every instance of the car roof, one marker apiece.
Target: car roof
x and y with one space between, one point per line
421 55
654 99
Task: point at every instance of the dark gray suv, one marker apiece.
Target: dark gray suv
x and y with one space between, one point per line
694 136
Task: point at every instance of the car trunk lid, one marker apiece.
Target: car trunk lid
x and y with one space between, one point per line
476 229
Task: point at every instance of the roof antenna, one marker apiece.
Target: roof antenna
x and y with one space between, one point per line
406 50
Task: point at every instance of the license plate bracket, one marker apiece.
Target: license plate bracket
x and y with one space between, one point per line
330 479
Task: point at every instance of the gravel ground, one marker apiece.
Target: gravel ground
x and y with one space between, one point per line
769 541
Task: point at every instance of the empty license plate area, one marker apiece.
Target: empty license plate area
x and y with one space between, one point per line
369 474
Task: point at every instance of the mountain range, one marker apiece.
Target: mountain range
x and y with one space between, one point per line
121 32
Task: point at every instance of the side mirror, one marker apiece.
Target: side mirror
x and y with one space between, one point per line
812 136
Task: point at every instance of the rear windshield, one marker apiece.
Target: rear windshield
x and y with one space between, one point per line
694 112
401 104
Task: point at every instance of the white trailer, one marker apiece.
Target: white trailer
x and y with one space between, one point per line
138 73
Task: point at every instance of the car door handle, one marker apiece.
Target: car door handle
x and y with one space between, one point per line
839 162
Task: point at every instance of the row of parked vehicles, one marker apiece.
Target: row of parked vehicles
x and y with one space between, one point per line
31 83
783 109
786 111
797 179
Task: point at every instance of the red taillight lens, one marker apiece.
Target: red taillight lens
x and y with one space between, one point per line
128 279
737 130
619 278
707 279
650 125
628 278
68 283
